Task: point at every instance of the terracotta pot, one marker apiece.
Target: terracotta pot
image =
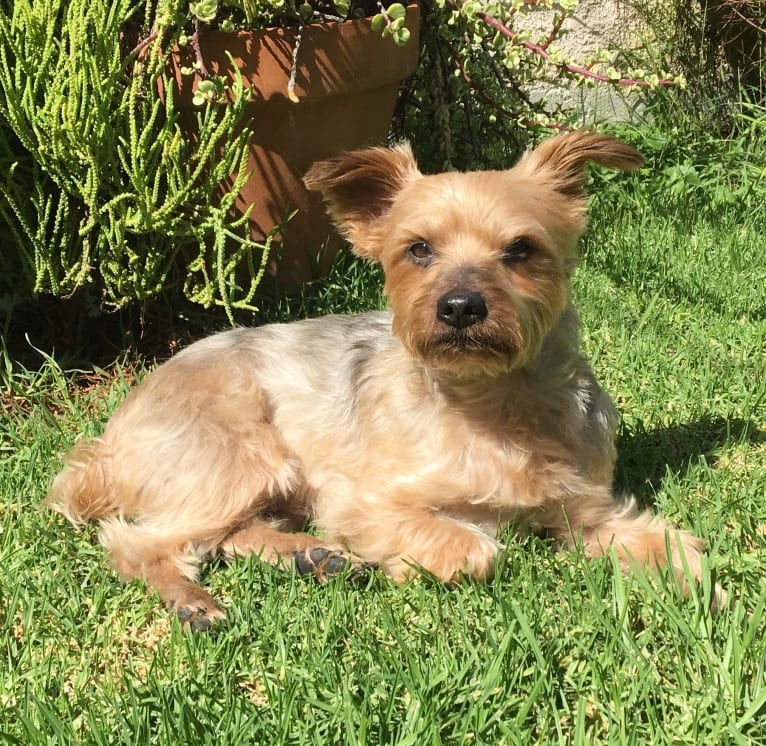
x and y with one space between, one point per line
347 83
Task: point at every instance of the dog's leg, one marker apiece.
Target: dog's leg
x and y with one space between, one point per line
645 539
168 566
405 536
640 539
190 457
444 547
273 545
191 603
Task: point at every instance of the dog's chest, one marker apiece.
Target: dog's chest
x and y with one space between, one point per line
458 456
354 408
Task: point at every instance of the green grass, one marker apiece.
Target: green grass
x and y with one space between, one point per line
554 650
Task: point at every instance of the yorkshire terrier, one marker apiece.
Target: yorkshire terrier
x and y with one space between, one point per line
409 437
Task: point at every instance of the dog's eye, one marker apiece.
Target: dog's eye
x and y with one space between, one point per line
519 250
420 252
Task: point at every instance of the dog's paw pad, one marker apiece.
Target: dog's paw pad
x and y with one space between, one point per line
199 618
202 623
185 614
324 563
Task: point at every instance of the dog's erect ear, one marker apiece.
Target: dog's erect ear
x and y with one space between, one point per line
562 159
360 187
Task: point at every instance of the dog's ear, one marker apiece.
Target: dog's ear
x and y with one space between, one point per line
561 160
359 189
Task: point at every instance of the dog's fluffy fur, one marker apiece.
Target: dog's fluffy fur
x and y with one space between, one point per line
409 437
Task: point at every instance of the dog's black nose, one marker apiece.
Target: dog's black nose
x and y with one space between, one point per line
461 308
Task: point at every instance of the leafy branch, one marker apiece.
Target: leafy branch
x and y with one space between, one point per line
585 71
482 59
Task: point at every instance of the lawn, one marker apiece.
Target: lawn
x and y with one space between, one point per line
672 293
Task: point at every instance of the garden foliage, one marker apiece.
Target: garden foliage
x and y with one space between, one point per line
97 183
100 189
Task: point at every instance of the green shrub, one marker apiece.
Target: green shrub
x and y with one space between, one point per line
116 192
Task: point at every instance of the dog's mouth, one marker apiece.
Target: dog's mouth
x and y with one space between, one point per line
464 340
461 344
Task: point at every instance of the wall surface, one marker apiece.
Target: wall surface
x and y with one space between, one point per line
596 24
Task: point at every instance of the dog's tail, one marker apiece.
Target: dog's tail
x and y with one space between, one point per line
82 491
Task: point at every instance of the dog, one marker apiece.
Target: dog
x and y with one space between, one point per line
409 437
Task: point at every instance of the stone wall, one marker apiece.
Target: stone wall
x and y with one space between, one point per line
596 24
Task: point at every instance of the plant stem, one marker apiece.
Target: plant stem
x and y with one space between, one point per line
580 70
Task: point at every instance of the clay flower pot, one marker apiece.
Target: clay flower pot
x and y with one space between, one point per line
347 83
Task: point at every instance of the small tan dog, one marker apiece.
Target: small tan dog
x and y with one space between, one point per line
408 437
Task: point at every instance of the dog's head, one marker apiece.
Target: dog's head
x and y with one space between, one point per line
477 264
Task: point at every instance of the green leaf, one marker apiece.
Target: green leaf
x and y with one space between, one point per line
396 10
402 36
204 10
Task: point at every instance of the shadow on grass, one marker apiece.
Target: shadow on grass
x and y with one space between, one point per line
79 333
646 456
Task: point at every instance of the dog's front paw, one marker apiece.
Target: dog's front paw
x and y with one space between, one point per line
643 540
470 554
